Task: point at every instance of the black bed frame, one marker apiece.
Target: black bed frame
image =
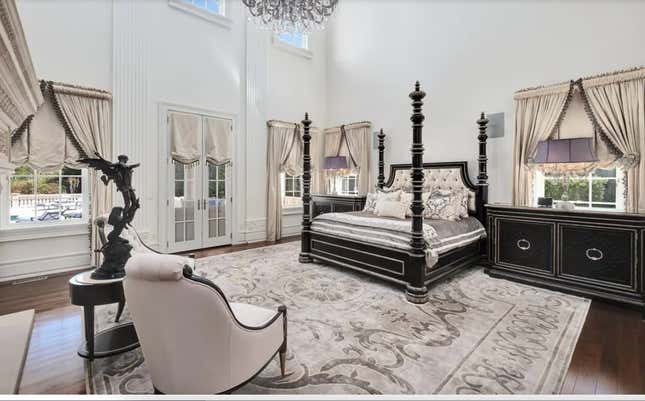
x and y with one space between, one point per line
402 266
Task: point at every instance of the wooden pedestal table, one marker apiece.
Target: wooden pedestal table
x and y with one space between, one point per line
88 293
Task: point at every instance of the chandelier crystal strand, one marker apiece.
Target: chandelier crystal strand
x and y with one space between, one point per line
291 16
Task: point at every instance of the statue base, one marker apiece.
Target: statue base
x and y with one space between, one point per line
116 253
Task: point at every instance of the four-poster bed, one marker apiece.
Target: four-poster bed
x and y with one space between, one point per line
410 262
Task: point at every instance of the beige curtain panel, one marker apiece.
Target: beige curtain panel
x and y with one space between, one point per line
217 139
282 142
88 116
618 105
185 134
535 119
359 145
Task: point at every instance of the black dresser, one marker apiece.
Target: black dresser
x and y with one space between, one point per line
589 253
336 203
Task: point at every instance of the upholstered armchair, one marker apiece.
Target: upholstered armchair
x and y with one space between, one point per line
194 341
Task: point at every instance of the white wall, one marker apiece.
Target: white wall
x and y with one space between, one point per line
148 54
470 56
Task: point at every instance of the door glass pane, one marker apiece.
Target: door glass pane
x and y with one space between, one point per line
179 232
212 228
185 202
222 227
190 231
216 201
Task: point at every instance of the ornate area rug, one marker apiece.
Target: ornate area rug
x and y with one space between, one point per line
352 334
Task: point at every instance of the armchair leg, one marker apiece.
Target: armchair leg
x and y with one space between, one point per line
283 361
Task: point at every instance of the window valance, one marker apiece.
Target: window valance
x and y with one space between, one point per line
184 137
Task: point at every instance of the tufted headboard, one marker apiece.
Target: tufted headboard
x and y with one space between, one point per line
441 175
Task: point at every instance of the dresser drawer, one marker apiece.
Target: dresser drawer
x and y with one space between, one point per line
525 245
594 254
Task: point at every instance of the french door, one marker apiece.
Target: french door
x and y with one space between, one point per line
199 202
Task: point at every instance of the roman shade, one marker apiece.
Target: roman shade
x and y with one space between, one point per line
184 137
217 138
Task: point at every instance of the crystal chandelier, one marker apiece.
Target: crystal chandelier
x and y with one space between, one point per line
291 16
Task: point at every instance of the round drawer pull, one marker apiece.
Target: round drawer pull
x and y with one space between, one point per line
524 244
594 254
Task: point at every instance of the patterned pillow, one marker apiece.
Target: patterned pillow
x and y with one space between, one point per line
373 198
461 196
442 207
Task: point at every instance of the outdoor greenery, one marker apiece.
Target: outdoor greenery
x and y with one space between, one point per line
602 190
47 183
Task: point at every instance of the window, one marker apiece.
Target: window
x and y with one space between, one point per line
212 6
296 39
601 189
46 197
347 184
291 190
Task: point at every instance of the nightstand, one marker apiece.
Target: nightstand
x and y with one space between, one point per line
589 253
336 203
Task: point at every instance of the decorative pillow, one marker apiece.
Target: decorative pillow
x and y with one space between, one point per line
461 199
370 202
442 207
389 208
406 198
383 196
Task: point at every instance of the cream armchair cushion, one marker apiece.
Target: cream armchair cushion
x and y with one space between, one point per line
193 340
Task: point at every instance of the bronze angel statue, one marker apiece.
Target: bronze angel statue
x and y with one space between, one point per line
115 250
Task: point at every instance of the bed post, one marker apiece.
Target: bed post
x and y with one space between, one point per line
482 177
416 291
381 159
305 253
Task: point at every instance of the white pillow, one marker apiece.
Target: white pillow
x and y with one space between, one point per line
388 208
381 196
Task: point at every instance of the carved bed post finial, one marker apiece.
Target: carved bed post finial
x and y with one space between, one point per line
381 159
305 254
416 291
482 177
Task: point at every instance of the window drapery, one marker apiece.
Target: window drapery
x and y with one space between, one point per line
356 146
20 94
615 104
284 155
535 119
618 106
87 117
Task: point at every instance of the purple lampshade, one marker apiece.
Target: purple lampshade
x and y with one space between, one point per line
573 150
335 163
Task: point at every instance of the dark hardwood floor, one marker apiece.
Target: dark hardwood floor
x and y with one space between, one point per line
609 357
